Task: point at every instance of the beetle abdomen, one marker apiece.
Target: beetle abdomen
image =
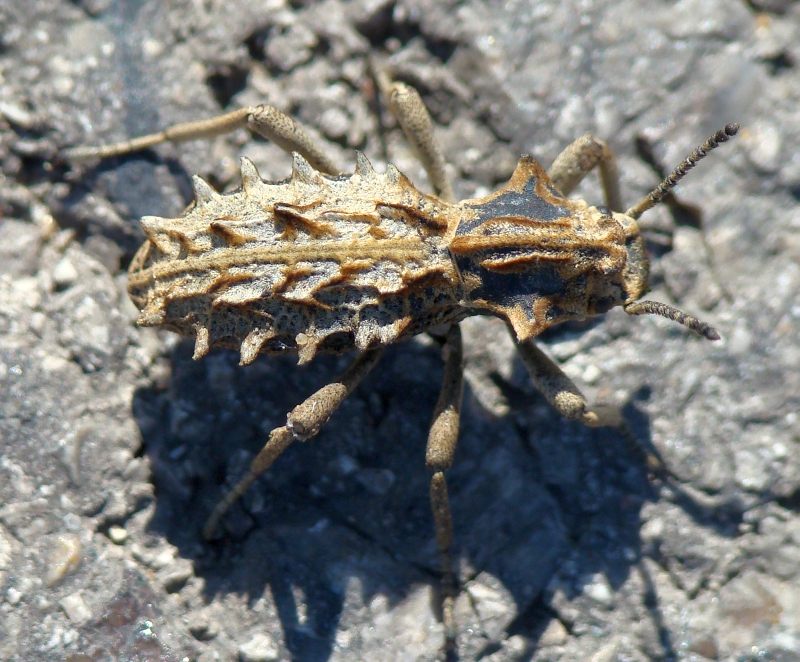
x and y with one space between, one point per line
313 262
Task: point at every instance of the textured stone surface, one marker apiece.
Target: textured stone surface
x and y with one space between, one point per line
565 549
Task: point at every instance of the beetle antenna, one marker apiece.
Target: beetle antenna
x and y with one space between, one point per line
665 310
660 191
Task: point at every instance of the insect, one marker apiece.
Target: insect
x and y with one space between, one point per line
324 262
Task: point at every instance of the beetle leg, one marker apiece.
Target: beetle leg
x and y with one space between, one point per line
581 157
265 120
408 107
558 389
206 128
441 448
302 423
288 134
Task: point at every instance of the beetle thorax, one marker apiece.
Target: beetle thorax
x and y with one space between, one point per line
535 258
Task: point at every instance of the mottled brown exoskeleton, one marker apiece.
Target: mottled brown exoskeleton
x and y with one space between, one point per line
337 263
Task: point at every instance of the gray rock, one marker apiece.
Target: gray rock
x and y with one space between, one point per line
571 551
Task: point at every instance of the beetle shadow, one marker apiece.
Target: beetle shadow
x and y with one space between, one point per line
601 479
321 528
161 184
342 524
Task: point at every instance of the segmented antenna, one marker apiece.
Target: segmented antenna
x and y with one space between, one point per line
665 310
658 193
653 198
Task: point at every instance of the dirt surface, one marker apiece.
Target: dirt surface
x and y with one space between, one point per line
115 444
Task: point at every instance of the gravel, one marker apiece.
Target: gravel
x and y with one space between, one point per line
115 444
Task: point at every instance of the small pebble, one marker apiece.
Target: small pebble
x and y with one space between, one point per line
260 648
764 141
203 629
599 590
175 577
64 557
16 114
64 274
76 608
606 653
591 374
705 646
555 634
117 534
162 558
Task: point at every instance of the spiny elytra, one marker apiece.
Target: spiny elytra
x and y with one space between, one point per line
323 262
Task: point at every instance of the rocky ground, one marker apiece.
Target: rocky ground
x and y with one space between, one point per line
115 444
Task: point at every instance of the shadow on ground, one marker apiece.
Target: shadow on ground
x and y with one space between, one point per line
345 518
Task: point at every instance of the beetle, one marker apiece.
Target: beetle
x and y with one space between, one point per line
324 262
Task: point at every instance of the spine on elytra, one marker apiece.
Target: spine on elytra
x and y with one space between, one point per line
195 276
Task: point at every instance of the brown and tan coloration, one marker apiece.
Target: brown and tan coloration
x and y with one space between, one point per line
312 263
535 258
323 262
341 263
